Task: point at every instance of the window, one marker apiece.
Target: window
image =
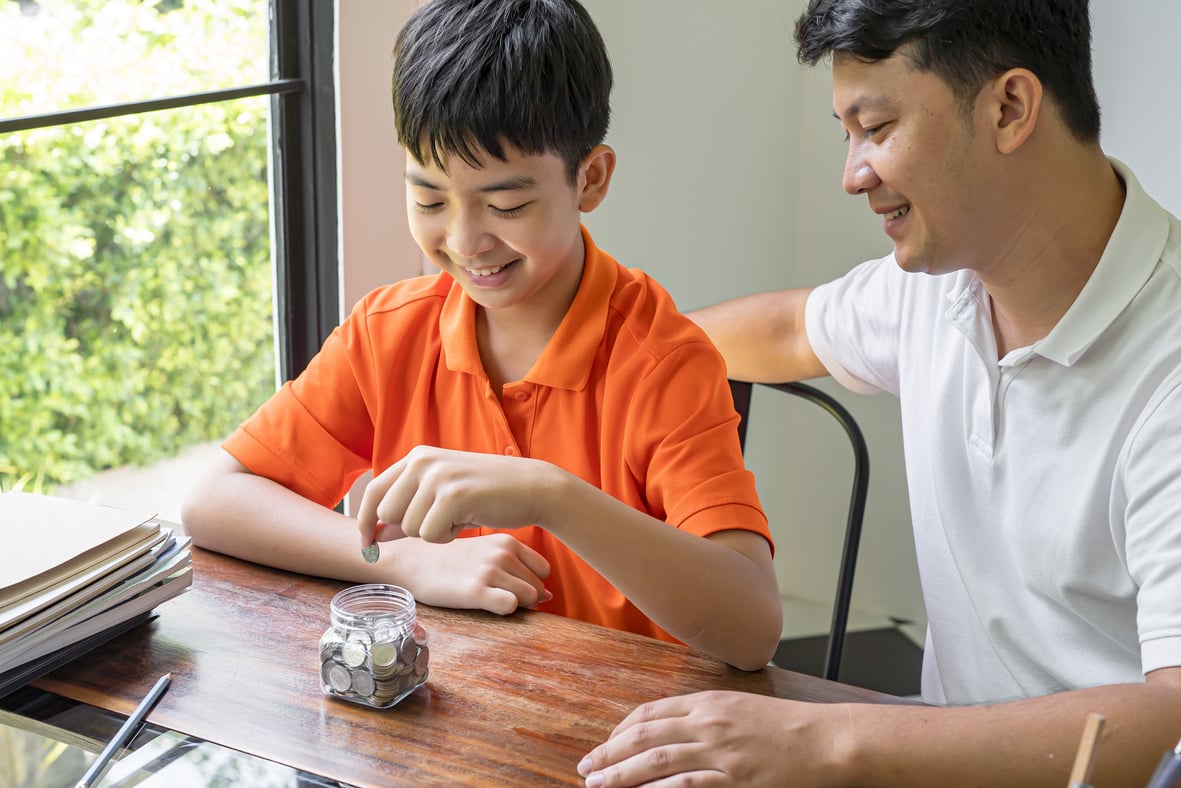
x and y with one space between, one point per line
167 231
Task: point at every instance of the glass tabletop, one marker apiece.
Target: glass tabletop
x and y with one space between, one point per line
49 741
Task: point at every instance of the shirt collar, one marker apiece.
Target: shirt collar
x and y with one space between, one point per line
1128 260
568 356
1131 255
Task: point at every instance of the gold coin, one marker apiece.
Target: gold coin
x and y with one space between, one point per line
383 654
353 653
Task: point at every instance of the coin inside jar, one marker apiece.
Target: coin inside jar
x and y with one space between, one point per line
383 654
353 653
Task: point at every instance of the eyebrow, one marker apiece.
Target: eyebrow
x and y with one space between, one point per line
515 183
870 102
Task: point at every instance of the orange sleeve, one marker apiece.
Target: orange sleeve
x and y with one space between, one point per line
315 435
685 428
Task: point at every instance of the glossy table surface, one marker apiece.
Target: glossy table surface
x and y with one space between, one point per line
514 700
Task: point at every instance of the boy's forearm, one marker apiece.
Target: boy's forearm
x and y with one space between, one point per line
256 519
1029 743
702 591
762 336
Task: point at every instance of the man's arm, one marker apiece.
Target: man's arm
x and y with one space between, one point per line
762 336
717 594
738 738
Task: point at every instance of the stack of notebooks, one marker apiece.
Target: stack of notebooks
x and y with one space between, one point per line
75 575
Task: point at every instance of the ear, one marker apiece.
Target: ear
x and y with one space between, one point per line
594 176
1015 105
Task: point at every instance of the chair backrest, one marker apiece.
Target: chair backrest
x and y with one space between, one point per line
741 392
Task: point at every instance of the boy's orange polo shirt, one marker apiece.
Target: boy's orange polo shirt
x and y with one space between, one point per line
628 395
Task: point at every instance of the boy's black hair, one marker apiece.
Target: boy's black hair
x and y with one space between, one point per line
966 43
475 75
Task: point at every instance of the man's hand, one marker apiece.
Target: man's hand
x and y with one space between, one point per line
717 738
435 493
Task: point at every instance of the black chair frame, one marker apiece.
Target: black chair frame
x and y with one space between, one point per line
741 391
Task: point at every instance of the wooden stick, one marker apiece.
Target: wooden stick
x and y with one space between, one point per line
1084 759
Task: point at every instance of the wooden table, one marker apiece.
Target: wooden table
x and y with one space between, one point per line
510 701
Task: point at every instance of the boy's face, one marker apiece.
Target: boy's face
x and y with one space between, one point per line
919 161
507 232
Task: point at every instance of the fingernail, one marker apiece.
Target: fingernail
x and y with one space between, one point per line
595 780
584 766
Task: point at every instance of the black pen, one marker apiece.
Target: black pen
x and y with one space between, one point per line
1168 771
123 737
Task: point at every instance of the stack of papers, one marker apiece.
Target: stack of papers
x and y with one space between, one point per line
74 575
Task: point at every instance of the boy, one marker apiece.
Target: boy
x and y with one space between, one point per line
557 435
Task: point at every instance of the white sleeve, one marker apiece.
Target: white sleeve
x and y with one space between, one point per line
1151 513
853 325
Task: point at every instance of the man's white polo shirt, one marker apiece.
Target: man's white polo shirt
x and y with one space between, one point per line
1045 488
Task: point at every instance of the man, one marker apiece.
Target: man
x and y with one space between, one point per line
1029 320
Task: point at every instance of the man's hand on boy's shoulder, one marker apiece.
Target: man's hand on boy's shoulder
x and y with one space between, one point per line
434 494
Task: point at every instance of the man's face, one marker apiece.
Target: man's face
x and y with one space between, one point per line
915 155
506 231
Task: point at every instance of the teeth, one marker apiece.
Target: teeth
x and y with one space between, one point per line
900 212
485 271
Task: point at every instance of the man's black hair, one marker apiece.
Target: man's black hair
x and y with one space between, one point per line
966 43
476 75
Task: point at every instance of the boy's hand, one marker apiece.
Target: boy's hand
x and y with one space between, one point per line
435 493
494 573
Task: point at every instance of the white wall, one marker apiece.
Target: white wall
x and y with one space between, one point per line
376 247
729 183
1138 78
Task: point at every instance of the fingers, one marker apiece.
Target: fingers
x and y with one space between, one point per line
648 725
367 517
516 568
534 561
413 495
651 754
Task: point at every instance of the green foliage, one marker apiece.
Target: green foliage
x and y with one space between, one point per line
135 277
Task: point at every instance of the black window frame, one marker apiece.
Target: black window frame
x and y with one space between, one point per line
304 218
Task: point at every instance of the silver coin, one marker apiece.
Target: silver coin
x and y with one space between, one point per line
371 552
362 682
339 678
422 660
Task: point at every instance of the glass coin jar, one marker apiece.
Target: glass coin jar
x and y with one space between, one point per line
374 652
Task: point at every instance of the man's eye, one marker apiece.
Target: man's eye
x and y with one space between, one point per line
868 131
431 208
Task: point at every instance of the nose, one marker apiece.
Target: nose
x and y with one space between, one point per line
466 235
859 176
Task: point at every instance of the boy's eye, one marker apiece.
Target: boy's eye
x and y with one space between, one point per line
509 213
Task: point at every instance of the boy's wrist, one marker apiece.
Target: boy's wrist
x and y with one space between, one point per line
551 490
